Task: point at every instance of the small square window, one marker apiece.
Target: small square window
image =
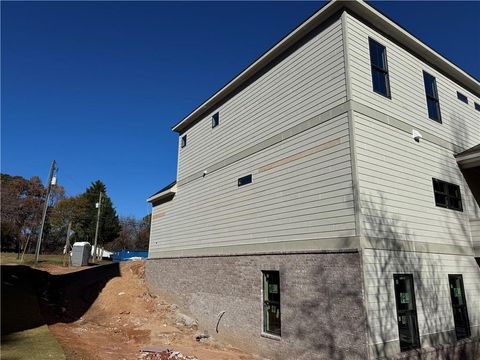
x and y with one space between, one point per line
477 106
271 303
447 195
462 97
183 142
215 120
245 180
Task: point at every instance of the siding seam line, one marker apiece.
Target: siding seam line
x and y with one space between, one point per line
274 140
349 105
402 125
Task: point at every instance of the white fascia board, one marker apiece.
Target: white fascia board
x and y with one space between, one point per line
163 194
365 12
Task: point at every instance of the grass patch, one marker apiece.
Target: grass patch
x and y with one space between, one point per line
29 259
34 344
25 334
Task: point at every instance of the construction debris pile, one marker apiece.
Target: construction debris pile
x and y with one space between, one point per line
157 353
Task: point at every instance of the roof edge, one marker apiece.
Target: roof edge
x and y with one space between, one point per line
290 39
170 189
365 12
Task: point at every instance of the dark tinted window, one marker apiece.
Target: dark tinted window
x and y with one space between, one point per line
271 302
245 180
459 306
462 97
447 195
433 102
378 61
215 120
184 141
477 106
406 312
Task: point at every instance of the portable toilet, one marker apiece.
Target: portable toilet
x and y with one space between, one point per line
81 253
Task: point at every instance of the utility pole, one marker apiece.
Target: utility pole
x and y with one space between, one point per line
99 205
45 207
66 255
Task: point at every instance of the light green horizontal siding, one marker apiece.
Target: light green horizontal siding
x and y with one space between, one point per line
396 193
296 195
475 230
430 273
308 82
461 122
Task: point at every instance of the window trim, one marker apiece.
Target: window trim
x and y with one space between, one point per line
435 99
215 120
374 67
447 195
463 98
265 332
183 141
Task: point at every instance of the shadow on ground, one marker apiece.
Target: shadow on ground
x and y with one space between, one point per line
32 298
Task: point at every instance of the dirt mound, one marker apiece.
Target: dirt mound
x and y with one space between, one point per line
123 318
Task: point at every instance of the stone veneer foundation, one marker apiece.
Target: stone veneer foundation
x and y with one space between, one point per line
322 310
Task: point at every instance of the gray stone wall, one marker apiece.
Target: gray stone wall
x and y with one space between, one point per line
322 309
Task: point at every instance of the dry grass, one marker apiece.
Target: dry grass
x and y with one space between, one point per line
29 259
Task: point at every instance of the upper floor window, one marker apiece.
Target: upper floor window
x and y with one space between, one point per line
447 195
245 180
462 97
477 106
183 141
433 103
215 120
378 61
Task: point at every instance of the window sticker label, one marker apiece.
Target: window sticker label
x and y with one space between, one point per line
456 292
404 298
273 288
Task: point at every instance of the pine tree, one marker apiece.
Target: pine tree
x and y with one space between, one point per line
109 226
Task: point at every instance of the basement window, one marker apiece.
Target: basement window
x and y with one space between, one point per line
378 62
433 102
245 180
406 312
183 142
271 303
215 120
459 306
447 195
462 97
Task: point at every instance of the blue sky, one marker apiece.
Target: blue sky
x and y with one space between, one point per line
98 85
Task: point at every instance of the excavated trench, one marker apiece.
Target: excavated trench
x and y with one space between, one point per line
100 312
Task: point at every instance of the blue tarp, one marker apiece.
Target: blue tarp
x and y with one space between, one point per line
124 255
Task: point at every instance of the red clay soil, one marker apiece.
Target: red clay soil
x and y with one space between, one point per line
124 317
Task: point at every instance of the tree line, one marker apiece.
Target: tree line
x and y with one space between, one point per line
22 201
